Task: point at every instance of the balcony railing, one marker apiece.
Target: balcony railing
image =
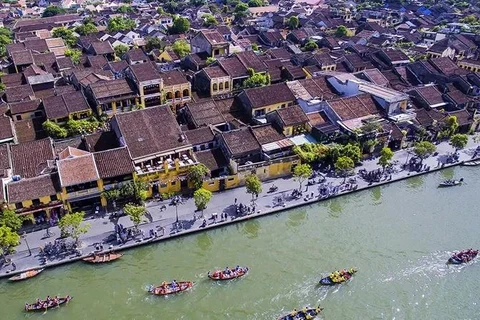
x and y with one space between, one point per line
39 207
83 193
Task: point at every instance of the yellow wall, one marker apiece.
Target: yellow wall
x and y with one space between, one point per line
272 107
29 203
165 56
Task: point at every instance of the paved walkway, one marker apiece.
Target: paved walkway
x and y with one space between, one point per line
163 215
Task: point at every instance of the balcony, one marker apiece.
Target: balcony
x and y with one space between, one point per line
39 207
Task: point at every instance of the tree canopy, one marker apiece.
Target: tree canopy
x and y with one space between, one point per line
209 20
424 149
451 124
124 9
119 23
310 46
350 150
54 130
120 50
86 29
196 174
255 3
240 10
311 152
51 11
181 48
202 197
74 54
459 141
136 213
302 172
8 239
256 79
180 25
136 190
343 165
293 22
341 31
386 155
11 219
154 43
5 38
66 34
71 225
253 185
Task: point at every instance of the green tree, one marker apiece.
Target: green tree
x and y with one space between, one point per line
74 54
311 152
124 9
210 60
341 31
71 225
302 172
51 11
8 240
196 174
66 34
293 22
120 50
112 194
154 43
256 79
136 190
240 10
202 197
136 213
86 29
352 151
310 46
344 165
253 185
54 130
255 3
451 124
180 25
119 23
424 149
459 141
5 38
11 219
181 48
254 46
209 20
386 156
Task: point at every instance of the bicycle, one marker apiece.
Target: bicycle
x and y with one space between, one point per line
48 234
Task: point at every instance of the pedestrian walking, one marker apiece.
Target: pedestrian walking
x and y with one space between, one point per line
235 201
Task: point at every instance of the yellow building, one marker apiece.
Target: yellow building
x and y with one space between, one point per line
24 110
262 100
111 97
470 65
66 107
176 89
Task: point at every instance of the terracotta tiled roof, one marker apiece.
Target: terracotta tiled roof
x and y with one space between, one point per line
113 163
33 188
266 134
29 130
4 160
29 159
101 47
13 80
172 78
205 113
291 116
241 141
354 107
233 67
6 128
137 55
97 62
15 94
430 94
250 60
109 89
145 72
215 72
200 136
38 45
213 37
22 57
77 170
213 159
269 95
142 130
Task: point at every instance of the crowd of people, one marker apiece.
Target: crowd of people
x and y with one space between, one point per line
227 273
466 255
342 275
45 304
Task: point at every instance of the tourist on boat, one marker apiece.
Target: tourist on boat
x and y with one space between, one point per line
293 313
227 271
174 284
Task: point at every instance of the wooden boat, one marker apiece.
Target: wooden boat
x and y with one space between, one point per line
233 274
338 277
102 258
471 163
306 313
166 288
26 275
463 257
451 183
44 305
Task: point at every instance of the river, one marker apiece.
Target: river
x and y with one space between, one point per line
399 236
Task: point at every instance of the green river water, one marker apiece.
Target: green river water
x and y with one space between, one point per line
399 237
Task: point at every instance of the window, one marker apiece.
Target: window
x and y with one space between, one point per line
174 183
177 94
215 88
186 93
38 113
163 185
36 202
18 205
216 52
169 96
18 116
227 85
53 198
220 86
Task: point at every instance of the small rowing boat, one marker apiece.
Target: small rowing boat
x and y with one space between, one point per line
102 258
471 163
463 256
26 275
306 313
44 305
451 183
170 288
338 277
228 274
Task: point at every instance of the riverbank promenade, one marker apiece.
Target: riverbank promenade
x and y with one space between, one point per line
163 216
